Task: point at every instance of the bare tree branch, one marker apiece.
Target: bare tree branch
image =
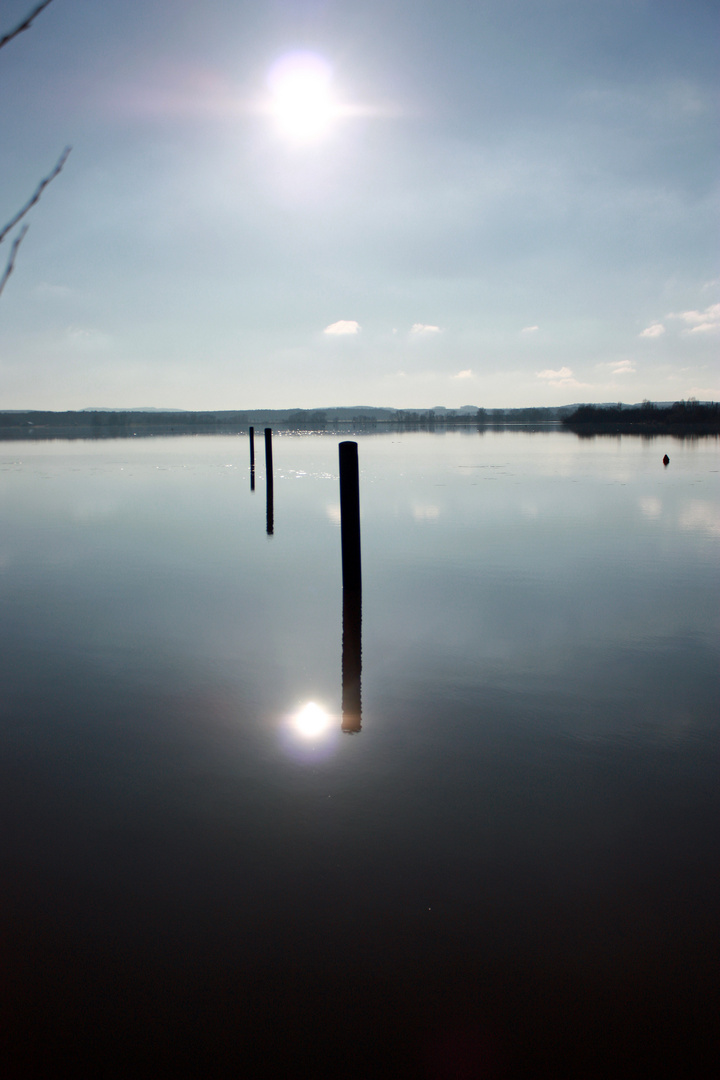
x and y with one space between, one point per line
13 252
35 197
25 24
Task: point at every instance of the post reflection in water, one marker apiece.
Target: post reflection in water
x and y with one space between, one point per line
351 661
269 512
269 481
352 586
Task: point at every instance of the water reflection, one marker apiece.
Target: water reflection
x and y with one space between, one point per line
269 507
310 734
269 510
550 638
351 661
311 721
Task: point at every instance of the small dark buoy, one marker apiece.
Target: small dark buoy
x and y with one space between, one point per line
666 460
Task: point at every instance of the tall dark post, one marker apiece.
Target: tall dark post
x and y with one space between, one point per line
351 661
252 458
269 481
350 516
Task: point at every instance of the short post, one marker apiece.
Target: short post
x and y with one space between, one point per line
269 482
252 458
350 516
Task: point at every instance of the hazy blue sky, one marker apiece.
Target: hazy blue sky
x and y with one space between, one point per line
464 202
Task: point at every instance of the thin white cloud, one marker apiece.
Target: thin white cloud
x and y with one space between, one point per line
46 289
423 328
562 373
344 326
656 330
87 338
704 328
704 393
676 98
529 329
467 374
617 367
562 377
700 322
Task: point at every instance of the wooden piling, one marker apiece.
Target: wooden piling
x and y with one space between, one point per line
251 433
350 516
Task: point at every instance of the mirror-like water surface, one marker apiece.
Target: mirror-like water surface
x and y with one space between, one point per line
511 869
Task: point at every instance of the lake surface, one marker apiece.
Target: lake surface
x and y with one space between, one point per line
511 870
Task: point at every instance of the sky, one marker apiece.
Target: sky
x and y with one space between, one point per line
407 203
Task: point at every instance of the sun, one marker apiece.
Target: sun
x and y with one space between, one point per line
302 101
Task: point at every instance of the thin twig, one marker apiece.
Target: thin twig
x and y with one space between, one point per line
10 266
25 24
13 252
35 197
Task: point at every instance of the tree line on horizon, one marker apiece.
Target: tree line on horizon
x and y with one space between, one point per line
106 420
681 416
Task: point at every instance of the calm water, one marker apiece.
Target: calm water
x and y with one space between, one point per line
511 870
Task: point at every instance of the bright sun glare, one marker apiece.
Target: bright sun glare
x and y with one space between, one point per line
302 102
311 721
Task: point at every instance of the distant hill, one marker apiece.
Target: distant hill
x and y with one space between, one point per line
132 408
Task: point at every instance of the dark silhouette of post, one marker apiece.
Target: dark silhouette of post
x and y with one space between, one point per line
352 588
350 516
252 458
269 481
351 661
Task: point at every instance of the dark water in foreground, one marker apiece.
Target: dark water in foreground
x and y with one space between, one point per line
511 871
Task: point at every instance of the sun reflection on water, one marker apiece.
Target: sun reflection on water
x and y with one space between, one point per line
311 721
310 733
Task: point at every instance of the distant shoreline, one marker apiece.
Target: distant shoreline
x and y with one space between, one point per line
682 419
107 423
37 432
